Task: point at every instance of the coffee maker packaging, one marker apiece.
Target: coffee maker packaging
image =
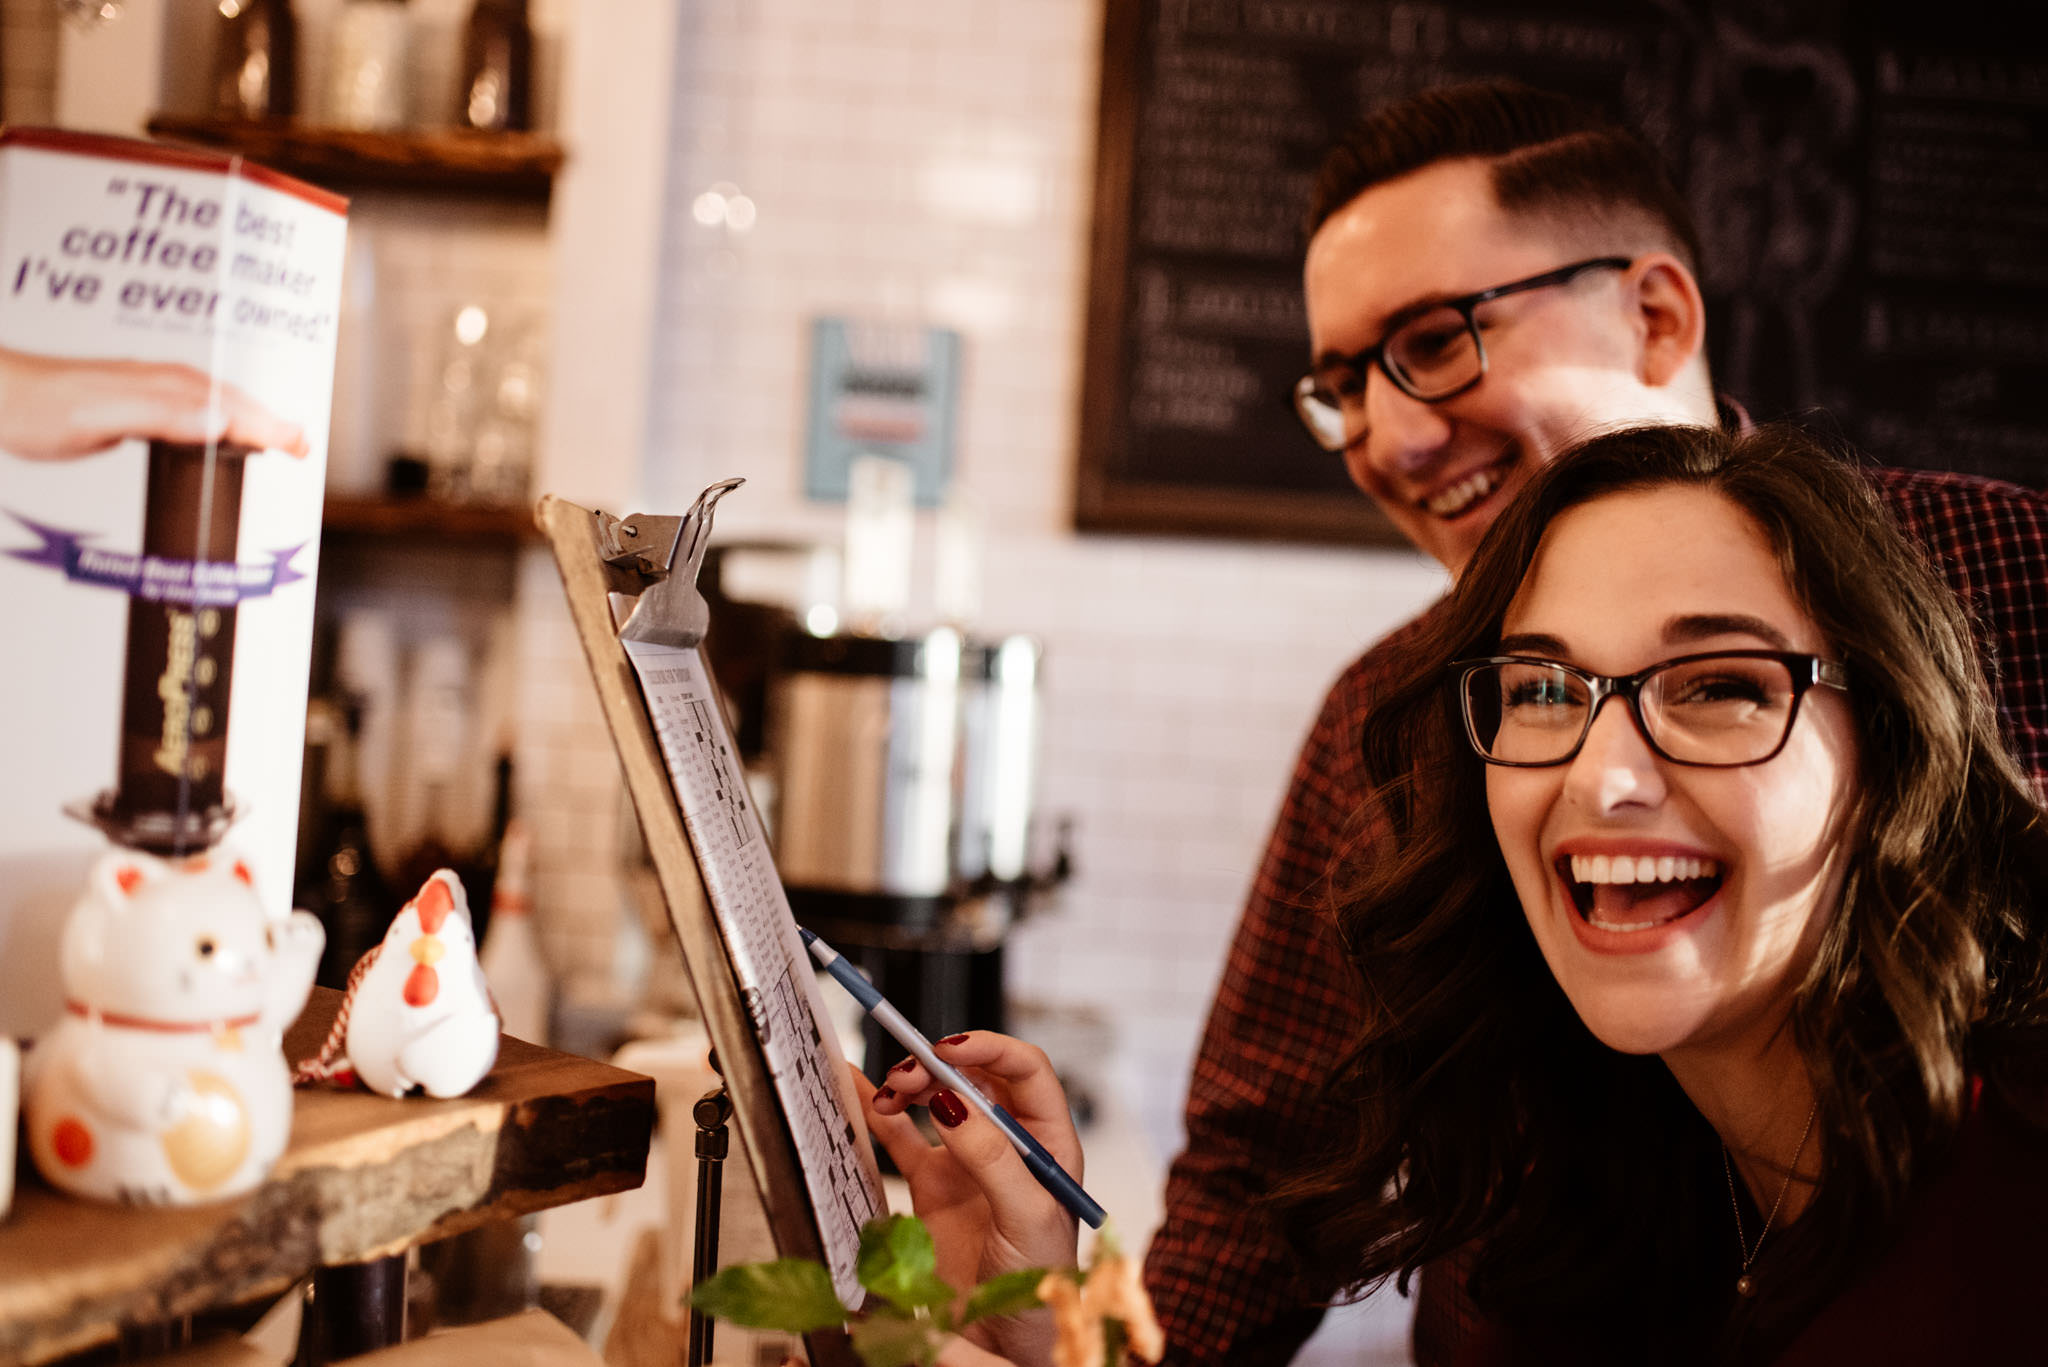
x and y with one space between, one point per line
167 322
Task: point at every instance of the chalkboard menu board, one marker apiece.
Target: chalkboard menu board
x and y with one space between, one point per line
1871 182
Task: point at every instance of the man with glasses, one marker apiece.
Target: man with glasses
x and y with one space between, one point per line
1493 275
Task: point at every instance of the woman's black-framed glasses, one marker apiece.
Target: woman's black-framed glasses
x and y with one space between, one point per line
1715 711
1434 355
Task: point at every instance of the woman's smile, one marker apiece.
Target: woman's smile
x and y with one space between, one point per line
1637 886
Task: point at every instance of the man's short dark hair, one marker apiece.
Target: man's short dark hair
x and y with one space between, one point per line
1550 154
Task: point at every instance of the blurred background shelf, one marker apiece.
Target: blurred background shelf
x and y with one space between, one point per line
513 166
425 520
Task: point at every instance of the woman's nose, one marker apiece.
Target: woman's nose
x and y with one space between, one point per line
1615 768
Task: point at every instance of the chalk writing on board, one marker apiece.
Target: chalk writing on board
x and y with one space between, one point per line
1870 182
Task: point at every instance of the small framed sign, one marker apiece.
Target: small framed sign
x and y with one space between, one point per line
881 389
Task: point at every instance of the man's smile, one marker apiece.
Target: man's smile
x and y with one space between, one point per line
1454 500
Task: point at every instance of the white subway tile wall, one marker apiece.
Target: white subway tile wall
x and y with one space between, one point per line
907 161
933 163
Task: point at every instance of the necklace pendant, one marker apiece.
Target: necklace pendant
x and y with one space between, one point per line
1745 1285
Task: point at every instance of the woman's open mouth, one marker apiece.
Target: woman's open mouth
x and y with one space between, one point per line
1625 892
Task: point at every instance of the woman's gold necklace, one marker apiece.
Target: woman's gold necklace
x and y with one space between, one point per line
1745 1285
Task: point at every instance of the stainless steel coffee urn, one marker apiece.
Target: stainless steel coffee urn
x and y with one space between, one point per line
905 772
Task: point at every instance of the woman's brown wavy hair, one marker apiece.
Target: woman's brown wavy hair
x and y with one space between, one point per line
1489 1120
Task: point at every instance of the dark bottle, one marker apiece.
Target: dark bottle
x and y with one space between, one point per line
344 888
496 92
255 60
479 872
432 851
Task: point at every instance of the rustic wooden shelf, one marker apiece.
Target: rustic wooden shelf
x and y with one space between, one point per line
518 166
364 1176
424 518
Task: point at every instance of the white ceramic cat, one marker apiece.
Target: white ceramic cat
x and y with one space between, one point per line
165 1082
420 1015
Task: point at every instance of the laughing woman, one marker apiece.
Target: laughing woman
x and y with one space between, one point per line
1698 939
1707 1016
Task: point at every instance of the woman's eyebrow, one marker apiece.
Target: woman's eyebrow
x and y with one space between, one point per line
1533 643
1705 625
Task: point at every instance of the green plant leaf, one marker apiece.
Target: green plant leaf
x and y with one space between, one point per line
898 1263
1011 1293
791 1294
895 1341
1114 1337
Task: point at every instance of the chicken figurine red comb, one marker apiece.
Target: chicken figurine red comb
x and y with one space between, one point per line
417 1014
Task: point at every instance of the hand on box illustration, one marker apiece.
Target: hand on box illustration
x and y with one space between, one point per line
52 408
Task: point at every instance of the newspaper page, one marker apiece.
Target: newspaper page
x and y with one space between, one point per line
774 972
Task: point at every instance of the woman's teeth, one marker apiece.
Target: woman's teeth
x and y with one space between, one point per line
1638 892
1466 492
1622 868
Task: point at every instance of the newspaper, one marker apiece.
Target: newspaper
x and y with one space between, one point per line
775 975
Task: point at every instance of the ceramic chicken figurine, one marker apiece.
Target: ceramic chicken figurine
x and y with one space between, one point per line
418 1013
165 1082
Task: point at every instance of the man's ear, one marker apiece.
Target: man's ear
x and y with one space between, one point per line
1670 314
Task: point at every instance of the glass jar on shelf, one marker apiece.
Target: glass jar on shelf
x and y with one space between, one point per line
456 400
508 410
496 89
369 76
255 60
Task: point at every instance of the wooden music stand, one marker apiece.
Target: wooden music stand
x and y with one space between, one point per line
580 539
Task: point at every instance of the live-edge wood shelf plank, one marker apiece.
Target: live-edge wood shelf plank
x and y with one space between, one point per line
364 1176
422 518
511 166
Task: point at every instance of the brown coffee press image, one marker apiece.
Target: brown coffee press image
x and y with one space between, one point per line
169 797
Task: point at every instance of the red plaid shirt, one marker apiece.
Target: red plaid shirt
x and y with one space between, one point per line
1223 1282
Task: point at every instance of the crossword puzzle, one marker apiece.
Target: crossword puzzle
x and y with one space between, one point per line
729 790
774 973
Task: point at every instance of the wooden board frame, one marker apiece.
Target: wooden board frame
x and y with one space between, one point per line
1105 499
572 533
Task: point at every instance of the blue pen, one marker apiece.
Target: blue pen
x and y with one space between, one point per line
1043 1166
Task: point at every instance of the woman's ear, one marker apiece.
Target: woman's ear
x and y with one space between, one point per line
1671 317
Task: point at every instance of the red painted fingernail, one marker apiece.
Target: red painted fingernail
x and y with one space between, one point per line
954 1039
885 1094
904 1066
947 1110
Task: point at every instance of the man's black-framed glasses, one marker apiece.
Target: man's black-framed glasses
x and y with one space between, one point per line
1432 356
1717 711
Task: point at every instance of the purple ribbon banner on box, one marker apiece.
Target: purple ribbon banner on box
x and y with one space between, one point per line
156 578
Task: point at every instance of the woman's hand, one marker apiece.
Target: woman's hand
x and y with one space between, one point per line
985 1211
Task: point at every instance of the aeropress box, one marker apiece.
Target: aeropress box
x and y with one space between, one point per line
167 324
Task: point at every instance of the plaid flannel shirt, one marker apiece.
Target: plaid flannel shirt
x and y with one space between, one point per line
1224 1283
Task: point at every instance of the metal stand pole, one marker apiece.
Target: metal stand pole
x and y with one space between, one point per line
354 1308
711 1112
154 1340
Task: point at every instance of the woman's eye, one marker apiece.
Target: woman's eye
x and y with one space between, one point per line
1539 693
1723 689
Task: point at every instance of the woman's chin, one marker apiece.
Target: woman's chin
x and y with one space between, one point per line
1641 1022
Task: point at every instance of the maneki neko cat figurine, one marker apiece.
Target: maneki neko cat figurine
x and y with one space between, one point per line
165 1082
418 1013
